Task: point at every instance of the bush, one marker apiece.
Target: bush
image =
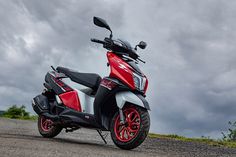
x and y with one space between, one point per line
17 113
231 136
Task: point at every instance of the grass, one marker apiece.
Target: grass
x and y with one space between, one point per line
33 117
205 140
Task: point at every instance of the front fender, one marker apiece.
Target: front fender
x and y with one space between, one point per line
127 96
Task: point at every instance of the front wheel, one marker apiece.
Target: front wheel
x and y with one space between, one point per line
131 134
46 127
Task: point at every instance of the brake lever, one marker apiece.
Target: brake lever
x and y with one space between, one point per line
108 43
141 60
53 68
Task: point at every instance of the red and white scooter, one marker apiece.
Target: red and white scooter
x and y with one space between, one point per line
116 103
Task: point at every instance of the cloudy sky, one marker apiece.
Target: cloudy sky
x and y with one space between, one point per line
191 54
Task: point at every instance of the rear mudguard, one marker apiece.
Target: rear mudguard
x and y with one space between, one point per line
40 104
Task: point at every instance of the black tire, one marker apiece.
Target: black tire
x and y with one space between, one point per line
52 132
141 134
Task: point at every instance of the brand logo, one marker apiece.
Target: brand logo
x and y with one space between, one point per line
122 66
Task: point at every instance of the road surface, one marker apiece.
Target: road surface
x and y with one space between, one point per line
20 138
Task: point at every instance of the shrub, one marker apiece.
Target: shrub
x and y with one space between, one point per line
231 136
17 113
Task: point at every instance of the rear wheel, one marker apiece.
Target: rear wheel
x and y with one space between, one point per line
131 134
46 127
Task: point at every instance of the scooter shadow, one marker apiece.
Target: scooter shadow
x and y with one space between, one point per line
60 140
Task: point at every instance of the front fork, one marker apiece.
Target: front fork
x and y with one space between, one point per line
122 117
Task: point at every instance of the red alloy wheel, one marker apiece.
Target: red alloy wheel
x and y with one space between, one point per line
126 132
46 124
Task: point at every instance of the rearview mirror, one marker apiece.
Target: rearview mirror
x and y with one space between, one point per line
141 45
101 23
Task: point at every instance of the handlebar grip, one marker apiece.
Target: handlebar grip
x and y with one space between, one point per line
97 41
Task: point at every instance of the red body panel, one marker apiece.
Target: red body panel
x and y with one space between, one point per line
120 69
146 85
107 84
71 100
61 84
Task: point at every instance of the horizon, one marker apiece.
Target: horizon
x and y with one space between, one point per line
190 55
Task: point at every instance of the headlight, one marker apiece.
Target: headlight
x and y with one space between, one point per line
139 81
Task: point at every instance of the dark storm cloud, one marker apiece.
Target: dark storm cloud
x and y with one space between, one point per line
35 35
190 55
191 63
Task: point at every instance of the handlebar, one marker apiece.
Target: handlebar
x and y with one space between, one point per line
110 45
97 41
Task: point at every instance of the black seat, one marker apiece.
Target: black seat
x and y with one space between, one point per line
87 79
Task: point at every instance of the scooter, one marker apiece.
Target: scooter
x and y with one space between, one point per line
72 100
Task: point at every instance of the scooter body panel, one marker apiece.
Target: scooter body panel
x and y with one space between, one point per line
120 70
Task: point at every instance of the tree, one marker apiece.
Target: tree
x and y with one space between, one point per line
17 112
231 136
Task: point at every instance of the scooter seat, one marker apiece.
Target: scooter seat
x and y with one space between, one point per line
90 80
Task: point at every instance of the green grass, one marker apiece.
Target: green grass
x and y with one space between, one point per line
33 117
212 142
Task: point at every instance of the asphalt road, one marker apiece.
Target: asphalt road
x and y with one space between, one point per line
19 138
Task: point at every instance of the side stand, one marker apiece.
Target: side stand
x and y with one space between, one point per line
102 136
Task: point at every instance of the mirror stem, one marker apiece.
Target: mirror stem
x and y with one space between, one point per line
111 35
